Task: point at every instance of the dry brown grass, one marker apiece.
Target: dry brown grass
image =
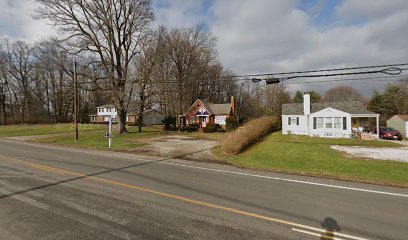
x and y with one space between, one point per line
250 133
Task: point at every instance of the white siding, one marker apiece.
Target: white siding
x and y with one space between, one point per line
406 129
326 114
300 129
106 111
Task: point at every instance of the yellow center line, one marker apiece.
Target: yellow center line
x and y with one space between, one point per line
184 199
47 169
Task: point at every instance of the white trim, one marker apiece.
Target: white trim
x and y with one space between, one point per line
364 115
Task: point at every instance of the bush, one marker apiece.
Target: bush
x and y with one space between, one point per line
232 123
169 122
220 129
211 128
191 129
248 134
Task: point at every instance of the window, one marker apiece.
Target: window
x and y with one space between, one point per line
329 122
293 121
192 119
337 122
344 123
319 122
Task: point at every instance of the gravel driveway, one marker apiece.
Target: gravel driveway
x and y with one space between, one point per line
393 154
185 147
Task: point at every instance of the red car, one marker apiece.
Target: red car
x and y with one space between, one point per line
390 133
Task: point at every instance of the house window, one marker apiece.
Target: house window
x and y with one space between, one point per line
294 121
329 122
127 118
319 122
344 123
337 122
192 119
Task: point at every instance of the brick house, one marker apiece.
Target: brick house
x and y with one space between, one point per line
203 113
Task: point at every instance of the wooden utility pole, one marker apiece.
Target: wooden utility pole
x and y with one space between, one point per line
75 102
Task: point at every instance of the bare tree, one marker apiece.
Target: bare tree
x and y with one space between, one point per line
109 29
342 94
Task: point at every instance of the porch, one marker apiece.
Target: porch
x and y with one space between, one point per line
365 126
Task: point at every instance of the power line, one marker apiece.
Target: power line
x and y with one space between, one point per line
322 70
374 79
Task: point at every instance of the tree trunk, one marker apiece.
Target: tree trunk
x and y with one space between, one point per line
3 103
122 121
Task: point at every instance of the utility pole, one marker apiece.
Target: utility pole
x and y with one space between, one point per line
3 104
75 102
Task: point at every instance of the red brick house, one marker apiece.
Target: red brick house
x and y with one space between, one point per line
203 113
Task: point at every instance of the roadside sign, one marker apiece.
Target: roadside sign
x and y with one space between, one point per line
109 134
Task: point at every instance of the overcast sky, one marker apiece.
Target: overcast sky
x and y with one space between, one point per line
266 36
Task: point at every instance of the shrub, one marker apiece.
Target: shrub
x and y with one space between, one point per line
220 129
191 128
211 128
248 134
169 122
232 123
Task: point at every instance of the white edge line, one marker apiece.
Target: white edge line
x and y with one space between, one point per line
314 234
217 170
335 234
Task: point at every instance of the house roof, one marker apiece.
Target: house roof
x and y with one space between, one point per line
216 109
153 111
220 109
106 106
352 107
403 117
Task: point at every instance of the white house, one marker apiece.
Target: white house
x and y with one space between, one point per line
400 123
103 113
331 119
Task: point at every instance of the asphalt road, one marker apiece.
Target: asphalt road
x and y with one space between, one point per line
51 192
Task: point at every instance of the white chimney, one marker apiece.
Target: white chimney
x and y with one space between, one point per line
306 104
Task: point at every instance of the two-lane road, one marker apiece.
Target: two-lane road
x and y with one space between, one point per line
49 192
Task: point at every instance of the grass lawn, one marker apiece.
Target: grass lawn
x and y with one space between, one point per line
96 140
313 156
42 129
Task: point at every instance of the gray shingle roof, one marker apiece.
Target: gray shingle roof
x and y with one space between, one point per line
220 109
106 105
352 107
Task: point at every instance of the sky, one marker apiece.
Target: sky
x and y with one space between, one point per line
268 36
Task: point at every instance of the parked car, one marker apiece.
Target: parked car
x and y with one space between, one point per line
390 133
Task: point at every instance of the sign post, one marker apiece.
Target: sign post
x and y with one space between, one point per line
110 132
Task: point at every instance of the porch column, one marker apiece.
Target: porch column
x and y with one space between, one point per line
378 127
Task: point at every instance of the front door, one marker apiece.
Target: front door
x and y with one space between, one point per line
202 121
